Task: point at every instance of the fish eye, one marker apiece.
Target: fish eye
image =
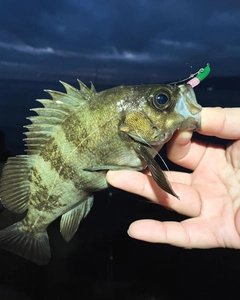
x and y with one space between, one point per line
161 99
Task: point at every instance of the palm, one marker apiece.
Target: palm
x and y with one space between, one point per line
210 195
213 201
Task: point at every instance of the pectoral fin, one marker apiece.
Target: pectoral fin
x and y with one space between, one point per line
110 167
157 173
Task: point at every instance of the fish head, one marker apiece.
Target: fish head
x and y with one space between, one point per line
159 110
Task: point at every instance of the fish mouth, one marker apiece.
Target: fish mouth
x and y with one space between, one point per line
189 109
190 100
191 123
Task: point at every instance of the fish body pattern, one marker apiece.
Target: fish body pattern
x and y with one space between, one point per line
72 141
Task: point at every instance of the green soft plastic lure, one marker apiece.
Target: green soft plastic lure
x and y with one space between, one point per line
200 75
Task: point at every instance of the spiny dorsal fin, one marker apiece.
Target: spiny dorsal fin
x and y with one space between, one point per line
88 93
14 185
93 88
53 113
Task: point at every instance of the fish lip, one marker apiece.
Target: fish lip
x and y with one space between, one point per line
190 98
191 123
189 108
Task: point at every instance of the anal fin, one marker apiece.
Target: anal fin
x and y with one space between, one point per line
71 219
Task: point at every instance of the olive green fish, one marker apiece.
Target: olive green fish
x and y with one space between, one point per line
74 139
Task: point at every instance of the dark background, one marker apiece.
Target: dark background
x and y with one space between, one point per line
101 261
111 43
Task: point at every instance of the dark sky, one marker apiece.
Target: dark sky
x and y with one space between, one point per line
115 41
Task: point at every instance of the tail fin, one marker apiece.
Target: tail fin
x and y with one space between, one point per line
27 245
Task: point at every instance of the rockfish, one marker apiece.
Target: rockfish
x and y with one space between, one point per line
74 139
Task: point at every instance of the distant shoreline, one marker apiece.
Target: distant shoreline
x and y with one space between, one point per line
227 82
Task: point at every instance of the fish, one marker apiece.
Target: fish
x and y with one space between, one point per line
73 139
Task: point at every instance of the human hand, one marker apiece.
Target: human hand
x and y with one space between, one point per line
210 195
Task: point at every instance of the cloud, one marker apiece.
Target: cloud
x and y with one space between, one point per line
225 18
131 36
113 55
14 64
179 44
26 48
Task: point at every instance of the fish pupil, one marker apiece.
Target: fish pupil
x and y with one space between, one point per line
162 99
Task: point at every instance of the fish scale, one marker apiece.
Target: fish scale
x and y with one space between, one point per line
74 139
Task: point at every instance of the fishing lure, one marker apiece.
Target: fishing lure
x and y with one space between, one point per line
201 74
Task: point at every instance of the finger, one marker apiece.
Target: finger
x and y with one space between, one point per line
191 233
221 122
145 186
136 183
184 152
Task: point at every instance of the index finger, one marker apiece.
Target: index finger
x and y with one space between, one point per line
217 121
220 122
